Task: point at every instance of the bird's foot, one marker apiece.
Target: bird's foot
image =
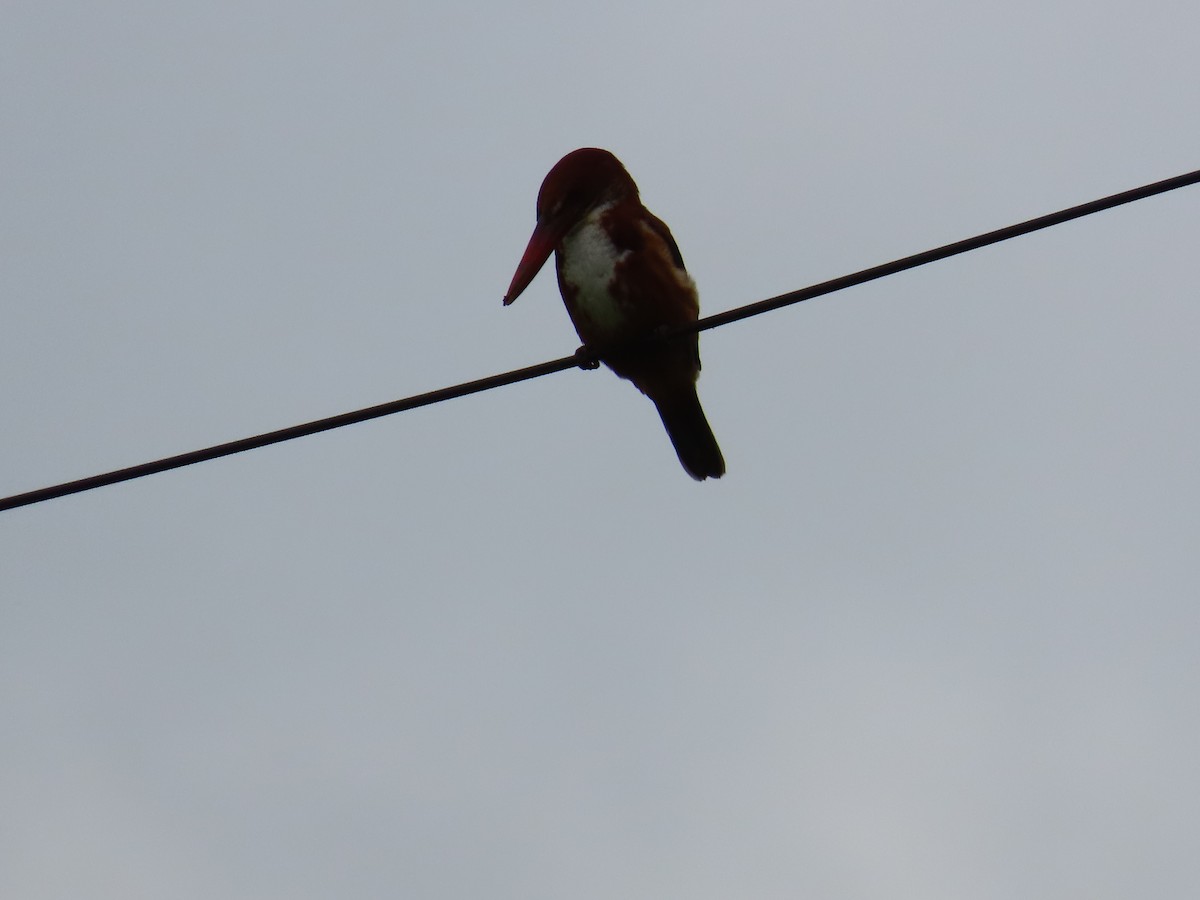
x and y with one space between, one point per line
586 358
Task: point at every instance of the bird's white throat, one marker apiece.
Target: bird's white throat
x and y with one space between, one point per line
589 265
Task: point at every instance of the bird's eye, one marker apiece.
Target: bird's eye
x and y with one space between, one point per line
566 202
577 198
571 201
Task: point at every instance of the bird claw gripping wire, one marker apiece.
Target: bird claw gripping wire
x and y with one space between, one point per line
585 358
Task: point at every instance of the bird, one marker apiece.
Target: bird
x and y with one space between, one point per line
624 285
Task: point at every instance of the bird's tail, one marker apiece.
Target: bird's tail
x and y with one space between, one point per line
688 429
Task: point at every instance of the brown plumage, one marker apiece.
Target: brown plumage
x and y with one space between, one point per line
622 279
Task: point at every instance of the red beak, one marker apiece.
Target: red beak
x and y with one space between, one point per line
546 236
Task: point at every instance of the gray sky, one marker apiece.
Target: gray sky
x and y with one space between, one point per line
934 635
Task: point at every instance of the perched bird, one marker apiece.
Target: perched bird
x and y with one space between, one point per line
622 279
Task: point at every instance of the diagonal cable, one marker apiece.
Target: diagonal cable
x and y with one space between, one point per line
584 359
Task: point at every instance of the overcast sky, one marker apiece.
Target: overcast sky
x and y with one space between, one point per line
934 636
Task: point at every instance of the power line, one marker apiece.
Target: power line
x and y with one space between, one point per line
295 431
939 253
583 359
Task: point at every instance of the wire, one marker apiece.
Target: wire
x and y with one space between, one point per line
584 359
295 431
939 253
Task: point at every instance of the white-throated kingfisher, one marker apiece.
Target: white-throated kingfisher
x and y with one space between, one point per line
623 282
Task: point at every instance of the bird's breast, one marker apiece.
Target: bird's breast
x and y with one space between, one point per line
587 270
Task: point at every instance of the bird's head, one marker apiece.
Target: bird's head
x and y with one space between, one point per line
579 182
